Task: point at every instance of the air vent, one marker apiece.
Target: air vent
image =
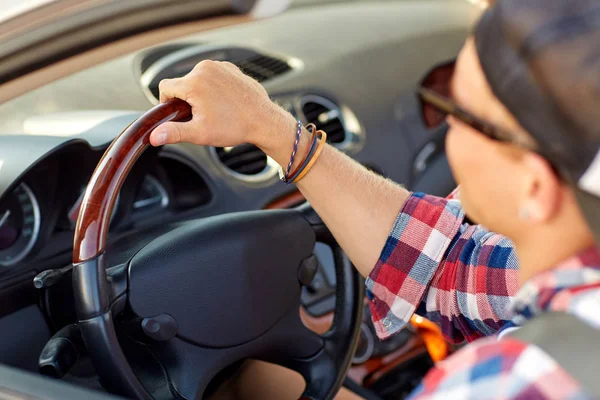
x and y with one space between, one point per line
146 59
179 62
245 159
326 116
262 68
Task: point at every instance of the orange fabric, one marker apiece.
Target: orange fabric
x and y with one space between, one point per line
436 345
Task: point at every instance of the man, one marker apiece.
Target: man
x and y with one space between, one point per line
524 146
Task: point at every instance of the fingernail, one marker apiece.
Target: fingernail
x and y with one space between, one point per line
160 138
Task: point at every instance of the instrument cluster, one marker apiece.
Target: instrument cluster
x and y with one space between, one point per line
38 214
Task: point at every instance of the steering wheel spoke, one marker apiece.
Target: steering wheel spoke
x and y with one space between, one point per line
314 366
117 283
314 370
290 339
184 368
313 356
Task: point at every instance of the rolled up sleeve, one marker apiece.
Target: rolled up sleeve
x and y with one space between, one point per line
422 233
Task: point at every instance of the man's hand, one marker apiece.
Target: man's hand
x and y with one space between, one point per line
228 107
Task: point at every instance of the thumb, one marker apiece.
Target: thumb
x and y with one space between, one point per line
171 132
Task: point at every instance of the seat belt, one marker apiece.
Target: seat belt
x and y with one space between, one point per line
571 342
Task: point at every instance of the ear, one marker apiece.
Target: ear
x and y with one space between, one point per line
543 189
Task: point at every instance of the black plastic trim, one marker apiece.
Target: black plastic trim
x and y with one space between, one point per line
17 293
18 384
91 287
107 356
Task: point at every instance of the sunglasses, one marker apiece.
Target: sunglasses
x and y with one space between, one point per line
436 105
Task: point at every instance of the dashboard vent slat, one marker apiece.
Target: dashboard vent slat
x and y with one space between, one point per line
261 67
174 62
326 116
244 159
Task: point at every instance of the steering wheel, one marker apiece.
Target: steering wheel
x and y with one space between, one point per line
207 294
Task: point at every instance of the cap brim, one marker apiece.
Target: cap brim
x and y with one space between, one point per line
590 206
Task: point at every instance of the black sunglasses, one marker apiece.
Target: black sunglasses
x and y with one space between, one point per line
434 94
436 104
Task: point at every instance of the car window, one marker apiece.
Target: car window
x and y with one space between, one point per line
10 8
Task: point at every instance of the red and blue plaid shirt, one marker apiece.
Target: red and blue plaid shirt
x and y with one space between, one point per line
466 279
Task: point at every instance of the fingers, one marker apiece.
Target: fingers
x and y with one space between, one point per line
230 66
180 87
172 132
173 88
219 93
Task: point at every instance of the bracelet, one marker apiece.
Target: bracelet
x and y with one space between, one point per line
287 178
309 155
313 159
294 150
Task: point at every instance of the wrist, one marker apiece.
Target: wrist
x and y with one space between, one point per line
277 136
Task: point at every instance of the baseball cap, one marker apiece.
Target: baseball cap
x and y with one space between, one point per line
542 61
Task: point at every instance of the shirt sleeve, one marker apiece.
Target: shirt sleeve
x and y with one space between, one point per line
498 369
459 275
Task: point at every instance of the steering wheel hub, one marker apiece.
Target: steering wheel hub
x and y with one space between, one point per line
223 287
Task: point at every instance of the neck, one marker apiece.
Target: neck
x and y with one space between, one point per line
543 250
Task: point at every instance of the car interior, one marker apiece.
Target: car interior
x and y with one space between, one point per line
67 91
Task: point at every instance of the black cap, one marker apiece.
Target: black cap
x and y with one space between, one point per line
542 61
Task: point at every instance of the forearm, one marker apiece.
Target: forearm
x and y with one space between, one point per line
358 206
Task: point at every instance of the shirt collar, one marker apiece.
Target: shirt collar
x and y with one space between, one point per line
552 289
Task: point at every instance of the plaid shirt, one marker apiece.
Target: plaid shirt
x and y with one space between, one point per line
466 279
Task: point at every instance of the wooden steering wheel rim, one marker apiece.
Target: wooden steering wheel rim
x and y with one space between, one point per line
92 303
103 188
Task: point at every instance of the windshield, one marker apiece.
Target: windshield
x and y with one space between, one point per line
46 110
10 8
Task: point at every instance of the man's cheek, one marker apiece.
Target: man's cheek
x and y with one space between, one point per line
458 154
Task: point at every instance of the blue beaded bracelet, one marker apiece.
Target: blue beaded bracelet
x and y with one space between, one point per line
294 150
